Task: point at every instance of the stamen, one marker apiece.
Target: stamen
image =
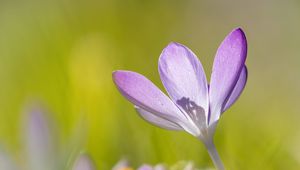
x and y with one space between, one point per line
195 112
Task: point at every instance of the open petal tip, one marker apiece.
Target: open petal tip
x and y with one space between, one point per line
238 29
238 32
141 92
173 44
172 48
125 81
238 37
128 80
117 74
228 64
120 77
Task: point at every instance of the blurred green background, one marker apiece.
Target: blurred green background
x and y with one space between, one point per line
63 52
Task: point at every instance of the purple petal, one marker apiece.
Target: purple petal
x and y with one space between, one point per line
183 76
239 87
84 163
39 142
228 64
144 94
145 167
156 120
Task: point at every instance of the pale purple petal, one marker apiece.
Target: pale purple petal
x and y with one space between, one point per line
238 89
228 64
156 120
183 76
145 167
84 162
38 141
144 94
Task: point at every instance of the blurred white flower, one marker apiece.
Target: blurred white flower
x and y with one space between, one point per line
156 167
122 165
84 162
6 163
181 165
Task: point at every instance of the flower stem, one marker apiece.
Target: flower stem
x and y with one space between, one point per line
212 151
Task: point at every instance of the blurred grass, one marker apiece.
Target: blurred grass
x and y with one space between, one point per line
63 53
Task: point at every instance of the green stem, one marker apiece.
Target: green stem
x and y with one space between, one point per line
212 151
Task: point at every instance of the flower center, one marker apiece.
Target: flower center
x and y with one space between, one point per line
195 112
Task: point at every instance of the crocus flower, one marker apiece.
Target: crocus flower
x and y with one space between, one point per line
193 105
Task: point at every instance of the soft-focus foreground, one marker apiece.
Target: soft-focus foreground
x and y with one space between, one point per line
40 149
63 52
182 165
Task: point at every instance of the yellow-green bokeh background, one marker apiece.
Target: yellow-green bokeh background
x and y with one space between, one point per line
62 52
